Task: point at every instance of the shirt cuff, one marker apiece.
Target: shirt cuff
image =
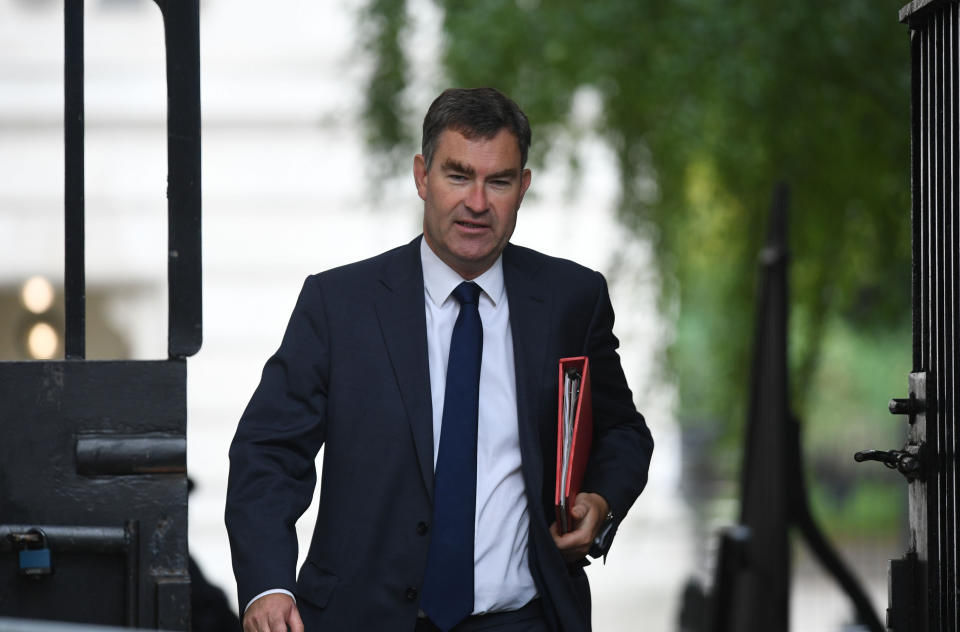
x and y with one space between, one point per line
270 592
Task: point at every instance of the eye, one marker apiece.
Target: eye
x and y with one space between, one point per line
457 177
500 184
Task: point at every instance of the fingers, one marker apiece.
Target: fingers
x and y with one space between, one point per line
265 623
593 508
574 544
277 622
296 623
272 613
588 512
271 623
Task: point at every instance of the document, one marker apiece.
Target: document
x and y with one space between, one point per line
574 435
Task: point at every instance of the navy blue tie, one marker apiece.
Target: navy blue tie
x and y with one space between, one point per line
448 582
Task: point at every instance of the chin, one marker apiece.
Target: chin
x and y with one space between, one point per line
476 260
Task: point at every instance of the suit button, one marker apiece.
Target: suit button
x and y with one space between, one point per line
422 528
411 593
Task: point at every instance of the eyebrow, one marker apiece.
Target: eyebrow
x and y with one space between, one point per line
453 165
505 173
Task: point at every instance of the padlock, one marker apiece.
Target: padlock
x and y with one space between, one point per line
35 558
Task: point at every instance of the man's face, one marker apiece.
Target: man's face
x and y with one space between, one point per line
471 195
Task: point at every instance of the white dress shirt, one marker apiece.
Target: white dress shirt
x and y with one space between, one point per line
502 579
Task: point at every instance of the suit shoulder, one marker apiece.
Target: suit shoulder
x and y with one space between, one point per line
553 270
355 273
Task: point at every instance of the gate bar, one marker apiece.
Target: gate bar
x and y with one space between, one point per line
73 189
181 23
69 538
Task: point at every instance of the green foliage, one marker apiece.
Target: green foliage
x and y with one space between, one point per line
384 22
858 372
871 509
707 104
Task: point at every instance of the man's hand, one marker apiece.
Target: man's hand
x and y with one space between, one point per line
272 613
589 511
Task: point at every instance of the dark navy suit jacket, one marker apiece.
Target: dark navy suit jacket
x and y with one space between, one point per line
352 375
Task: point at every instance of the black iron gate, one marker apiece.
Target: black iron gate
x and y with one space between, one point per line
93 488
924 584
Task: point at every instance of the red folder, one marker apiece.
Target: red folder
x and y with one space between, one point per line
570 479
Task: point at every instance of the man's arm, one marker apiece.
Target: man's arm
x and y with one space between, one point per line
272 472
622 444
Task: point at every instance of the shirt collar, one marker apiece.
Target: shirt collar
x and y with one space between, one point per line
440 280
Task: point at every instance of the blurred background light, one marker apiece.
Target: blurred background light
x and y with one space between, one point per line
42 341
37 294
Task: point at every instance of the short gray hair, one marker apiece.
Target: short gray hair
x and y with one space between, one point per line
474 112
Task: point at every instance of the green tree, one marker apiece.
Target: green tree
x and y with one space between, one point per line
713 102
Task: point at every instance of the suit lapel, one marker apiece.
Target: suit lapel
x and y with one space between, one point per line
404 327
530 313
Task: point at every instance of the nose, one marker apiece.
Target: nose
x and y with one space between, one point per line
476 199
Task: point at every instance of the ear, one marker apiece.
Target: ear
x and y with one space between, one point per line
524 184
420 175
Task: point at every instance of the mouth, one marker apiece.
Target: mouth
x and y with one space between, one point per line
472 226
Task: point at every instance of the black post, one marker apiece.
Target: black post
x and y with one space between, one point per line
762 598
73 125
751 591
181 21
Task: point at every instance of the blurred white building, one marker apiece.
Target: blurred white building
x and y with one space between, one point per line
287 191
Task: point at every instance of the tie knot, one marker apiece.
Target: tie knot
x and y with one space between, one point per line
467 292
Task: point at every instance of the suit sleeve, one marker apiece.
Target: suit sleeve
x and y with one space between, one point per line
622 444
272 470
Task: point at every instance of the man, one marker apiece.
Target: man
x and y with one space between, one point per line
430 374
